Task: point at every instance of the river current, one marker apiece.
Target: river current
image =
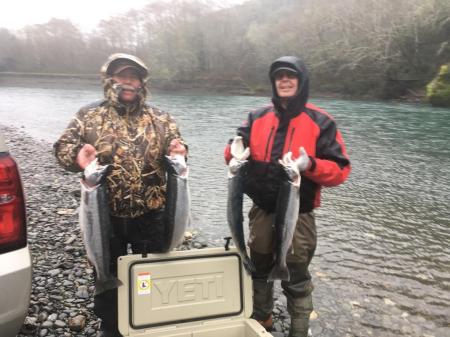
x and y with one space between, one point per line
382 266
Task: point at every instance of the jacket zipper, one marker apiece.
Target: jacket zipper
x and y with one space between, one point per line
268 143
290 139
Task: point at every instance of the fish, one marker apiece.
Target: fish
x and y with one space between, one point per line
287 212
235 199
95 224
177 208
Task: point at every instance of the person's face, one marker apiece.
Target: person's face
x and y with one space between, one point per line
286 83
130 82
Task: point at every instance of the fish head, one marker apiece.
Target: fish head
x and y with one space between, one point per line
234 166
290 168
177 164
94 173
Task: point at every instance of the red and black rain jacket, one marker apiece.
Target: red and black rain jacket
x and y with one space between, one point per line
270 134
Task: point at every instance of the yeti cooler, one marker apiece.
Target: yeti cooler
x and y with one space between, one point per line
193 293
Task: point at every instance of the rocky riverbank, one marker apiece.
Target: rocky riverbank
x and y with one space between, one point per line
62 289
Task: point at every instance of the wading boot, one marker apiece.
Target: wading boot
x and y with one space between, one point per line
263 303
299 309
262 290
268 323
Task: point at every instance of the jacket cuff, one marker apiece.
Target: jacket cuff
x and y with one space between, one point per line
313 165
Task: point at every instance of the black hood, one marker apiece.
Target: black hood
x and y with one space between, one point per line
296 103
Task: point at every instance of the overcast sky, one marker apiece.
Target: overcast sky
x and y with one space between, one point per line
15 14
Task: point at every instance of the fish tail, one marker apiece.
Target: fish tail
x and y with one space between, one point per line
108 284
279 273
249 266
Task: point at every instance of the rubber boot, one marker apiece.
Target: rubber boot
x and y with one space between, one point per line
263 303
299 309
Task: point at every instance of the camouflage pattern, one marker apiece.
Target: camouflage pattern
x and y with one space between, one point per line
133 139
130 59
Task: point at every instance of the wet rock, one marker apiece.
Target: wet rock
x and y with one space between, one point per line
52 317
77 323
277 326
30 325
67 283
277 334
43 316
60 324
47 324
54 272
90 331
56 297
82 292
65 265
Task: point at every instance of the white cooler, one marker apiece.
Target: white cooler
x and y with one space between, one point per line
194 293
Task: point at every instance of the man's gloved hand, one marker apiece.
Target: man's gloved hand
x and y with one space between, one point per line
303 162
238 151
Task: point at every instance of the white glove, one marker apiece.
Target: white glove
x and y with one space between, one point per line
237 149
239 156
303 162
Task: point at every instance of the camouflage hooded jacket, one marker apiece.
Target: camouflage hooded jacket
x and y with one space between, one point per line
133 139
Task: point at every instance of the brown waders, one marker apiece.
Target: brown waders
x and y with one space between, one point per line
298 289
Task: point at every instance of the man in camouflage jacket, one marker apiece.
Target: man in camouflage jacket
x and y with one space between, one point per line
133 137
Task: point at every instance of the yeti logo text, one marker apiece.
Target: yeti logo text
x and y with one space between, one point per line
188 289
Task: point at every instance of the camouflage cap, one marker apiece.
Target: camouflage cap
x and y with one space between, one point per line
122 66
120 61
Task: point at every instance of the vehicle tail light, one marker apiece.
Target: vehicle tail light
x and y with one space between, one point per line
13 233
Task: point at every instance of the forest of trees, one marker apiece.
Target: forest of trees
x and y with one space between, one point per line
382 48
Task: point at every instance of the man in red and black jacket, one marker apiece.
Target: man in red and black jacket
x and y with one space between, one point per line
311 134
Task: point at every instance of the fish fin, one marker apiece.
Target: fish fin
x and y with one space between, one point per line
279 273
110 283
190 221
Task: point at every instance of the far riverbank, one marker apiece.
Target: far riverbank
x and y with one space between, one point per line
196 85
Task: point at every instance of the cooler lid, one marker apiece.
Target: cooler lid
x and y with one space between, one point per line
182 286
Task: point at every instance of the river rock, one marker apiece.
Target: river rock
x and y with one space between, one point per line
47 324
82 292
77 323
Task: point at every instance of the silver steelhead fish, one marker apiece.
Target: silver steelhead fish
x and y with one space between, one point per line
95 225
178 201
235 199
288 206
